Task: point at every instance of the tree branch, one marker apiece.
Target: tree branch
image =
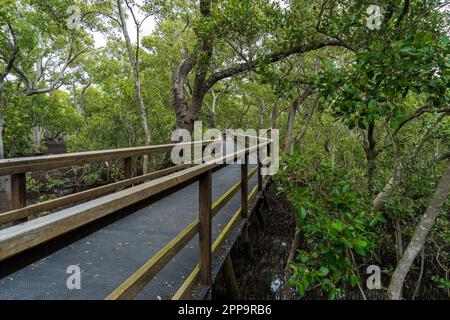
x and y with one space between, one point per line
58 81
405 11
270 58
12 58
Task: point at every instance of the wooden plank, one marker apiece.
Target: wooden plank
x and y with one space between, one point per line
128 167
19 214
19 190
244 186
32 164
230 278
260 177
205 217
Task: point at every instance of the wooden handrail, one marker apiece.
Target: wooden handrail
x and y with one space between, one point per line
18 167
26 212
33 164
248 136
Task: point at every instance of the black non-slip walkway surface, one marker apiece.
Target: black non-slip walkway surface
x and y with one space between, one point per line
110 255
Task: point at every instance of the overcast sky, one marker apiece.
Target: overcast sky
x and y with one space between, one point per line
147 28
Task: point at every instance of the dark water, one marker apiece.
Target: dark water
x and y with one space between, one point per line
259 265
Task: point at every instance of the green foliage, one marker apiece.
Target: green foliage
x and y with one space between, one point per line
336 222
441 282
94 177
384 74
53 112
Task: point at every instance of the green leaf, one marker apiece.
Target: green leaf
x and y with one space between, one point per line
337 225
324 271
354 280
303 257
360 251
292 282
332 295
303 212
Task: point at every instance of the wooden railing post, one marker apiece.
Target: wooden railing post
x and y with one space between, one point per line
260 177
244 187
128 167
19 190
244 196
205 228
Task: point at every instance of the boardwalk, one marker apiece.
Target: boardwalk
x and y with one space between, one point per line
110 255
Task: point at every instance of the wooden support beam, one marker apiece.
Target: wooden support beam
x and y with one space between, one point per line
128 167
260 177
227 196
244 186
205 228
19 194
19 190
230 279
244 195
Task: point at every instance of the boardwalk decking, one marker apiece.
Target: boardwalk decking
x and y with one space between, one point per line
110 255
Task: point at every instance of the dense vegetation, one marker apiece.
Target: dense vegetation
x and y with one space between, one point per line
361 100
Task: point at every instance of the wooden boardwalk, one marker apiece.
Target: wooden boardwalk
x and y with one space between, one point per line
148 248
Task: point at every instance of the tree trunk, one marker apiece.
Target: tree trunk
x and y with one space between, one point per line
420 234
137 82
290 125
262 111
215 97
396 179
179 78
371 154
5 190
274 116
187 113
302 134
370 171
288 142
37 138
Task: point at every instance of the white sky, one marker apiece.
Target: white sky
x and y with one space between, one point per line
146 29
